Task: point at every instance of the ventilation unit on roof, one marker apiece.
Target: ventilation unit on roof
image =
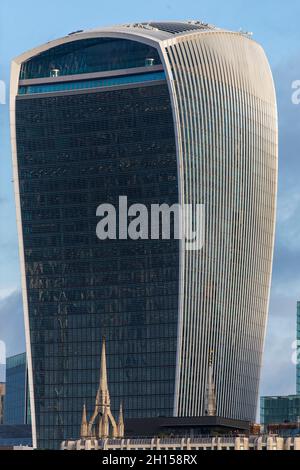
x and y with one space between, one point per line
149 62
54 73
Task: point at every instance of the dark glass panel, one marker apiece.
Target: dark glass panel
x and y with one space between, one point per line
74 153
86 84
89 55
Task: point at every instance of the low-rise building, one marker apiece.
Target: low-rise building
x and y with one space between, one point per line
15 436
187 444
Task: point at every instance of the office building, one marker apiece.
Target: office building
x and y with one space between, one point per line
2 399
163 113
279 410
12 436
2 379
16 404
281 414
298 350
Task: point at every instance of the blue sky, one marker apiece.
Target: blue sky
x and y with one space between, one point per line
275 25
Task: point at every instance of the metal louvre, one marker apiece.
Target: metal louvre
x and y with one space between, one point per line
227 128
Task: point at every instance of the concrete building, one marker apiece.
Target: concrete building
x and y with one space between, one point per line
164 113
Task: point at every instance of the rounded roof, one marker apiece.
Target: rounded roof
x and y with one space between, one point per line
159 29
152 32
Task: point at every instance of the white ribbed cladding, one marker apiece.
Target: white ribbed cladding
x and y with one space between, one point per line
226 118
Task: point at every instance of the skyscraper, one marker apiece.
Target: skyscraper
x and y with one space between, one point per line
2 379
2 398
16 404
178 112
284 410
298 351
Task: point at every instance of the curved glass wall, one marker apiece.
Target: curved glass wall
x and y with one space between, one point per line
162 308
88 56
86 84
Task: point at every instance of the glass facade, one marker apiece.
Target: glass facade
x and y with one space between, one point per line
15 409
85 84
298 350
2 397
15 435
205 133
74 153
88 56
277 410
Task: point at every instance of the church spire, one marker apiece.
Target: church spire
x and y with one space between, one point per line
84 424
103 371
103 431
102 410
211 405
103 398
121 422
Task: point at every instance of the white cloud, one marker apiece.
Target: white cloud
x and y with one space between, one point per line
12 323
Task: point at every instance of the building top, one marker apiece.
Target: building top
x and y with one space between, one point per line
184 425
161 29
15 361
281 397
148 32
15 435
